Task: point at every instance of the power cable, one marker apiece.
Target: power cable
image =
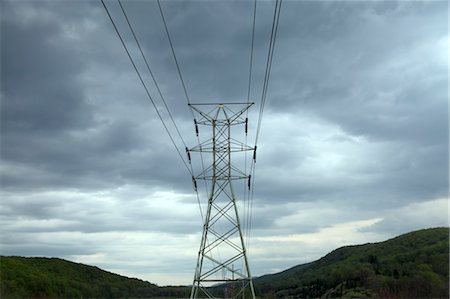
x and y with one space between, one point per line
151 73
184 87
160 94
145 86
273 37
246 194
251 53
173 52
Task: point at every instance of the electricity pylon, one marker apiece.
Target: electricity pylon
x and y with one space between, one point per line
222 266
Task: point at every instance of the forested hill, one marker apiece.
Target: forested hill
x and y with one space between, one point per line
22 277
413 265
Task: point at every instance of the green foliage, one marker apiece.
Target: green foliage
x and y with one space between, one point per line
56 278
414 265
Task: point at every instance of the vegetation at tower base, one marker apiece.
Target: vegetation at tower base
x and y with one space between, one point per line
413 265
22 277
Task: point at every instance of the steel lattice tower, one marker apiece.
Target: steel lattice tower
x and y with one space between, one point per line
222 259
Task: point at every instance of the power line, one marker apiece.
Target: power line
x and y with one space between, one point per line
151 73
145 86
183 85
273 37
251 53
173 52
160 94
247 196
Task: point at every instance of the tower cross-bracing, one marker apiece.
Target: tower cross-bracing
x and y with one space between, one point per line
222 258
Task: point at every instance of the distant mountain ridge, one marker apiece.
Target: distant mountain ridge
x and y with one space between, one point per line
413 265
38 277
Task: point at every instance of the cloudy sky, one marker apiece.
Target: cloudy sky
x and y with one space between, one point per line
353 145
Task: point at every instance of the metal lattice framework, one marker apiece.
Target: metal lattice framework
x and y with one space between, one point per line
229 269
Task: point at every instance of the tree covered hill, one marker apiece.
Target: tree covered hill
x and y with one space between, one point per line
413 265
22 277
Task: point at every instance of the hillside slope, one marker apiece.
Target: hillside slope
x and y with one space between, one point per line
56 278
413 265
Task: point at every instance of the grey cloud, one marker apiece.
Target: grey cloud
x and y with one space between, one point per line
52 98
363 94
60 212
412 217
36 249
54 116
351 79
